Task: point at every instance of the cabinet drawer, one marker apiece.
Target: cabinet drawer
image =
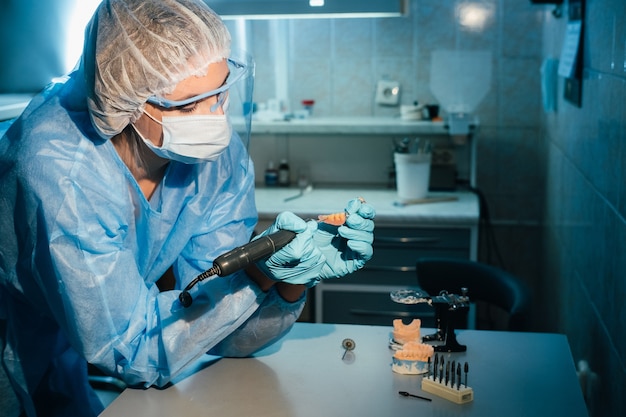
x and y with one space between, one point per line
403 259
396 250
421 237
392 275
372 308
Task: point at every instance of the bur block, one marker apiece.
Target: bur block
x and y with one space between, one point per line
461 395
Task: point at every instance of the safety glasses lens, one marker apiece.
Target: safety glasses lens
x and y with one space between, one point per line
237 71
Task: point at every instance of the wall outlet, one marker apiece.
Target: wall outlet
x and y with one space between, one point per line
388 93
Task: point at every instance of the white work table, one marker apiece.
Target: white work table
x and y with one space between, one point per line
511 374
464 211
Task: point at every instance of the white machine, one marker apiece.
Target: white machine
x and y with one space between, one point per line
460 80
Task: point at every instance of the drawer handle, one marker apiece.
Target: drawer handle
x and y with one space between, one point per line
360 312
390 268
429 239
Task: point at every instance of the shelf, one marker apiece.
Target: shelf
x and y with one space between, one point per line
344 126
463 212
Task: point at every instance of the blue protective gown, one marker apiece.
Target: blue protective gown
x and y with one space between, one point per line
82 249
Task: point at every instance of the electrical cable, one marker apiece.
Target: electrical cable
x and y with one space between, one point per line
487 231
488 227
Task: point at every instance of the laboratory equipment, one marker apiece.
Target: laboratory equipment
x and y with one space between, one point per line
445 382
239 258
348 345
450 311
460 80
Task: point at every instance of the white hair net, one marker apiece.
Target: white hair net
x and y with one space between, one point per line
138 48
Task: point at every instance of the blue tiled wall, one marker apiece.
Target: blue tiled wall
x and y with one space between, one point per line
586 202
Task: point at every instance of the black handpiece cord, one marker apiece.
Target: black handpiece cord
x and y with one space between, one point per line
239 258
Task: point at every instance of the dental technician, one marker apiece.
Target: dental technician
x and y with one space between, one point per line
119 185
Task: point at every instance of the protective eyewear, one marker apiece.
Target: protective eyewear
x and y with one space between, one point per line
237 71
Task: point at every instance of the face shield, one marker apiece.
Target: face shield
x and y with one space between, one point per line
238 88
240 97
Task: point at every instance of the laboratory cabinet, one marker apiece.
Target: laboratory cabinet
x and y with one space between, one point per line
364 296
401 235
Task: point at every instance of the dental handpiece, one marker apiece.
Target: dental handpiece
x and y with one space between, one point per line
239 258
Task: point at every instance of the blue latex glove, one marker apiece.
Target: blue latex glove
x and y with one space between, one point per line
298 262
346 248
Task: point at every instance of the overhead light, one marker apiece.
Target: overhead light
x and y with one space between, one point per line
311 9
474 16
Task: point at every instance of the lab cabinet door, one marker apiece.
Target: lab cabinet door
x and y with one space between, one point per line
396 251
372 308
363 297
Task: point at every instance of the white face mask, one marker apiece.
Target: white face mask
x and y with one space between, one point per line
192 139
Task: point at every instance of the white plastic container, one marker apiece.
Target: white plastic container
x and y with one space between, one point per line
411 112
412 175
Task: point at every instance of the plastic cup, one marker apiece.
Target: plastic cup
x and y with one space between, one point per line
412 175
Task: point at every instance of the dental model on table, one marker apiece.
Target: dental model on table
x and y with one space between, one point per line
411 356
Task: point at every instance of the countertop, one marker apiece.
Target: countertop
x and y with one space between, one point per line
463 211
344 125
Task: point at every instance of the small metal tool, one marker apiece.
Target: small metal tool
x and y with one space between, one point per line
452 374
348 345
441 369
406 394
449 308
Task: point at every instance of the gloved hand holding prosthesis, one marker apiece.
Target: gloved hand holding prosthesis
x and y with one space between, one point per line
302 252
321 250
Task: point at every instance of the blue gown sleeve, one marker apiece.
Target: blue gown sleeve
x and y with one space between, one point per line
144 336
92 257
269 323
